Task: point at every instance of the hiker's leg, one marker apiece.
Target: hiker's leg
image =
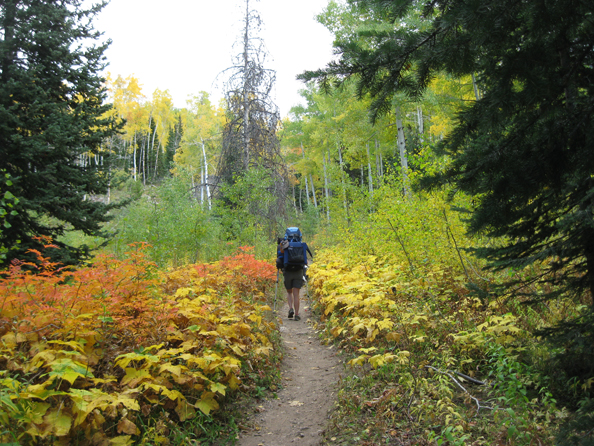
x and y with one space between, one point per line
296 300
290 298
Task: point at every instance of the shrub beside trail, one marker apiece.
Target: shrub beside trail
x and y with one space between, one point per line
119 352
430 361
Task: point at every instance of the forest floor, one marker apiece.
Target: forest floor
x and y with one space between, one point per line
310 372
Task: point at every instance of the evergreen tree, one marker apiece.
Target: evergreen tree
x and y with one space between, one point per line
524 149
51 121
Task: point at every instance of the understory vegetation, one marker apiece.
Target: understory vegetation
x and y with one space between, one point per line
120 352
434 355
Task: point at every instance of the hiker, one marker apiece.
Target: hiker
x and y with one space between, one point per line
292 252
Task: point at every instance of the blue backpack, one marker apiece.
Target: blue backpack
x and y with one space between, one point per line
293 234
295 257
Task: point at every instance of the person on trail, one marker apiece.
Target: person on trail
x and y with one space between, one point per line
294 275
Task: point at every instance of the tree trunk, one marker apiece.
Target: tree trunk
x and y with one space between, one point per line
313 191
344 200
206 175
202 185
10 8
369 170
306 188
135 166
155 172
402 151
326 189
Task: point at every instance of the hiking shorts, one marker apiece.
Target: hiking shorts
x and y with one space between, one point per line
293 279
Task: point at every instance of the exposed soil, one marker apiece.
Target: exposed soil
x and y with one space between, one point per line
310 372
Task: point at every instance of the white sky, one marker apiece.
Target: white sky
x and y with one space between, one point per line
182 45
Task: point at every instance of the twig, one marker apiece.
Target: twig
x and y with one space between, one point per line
449 230
472 380
478 403
412 267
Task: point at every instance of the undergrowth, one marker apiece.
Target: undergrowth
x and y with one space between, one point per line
120 352
429 361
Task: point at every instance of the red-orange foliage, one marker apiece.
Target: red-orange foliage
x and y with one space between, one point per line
114 295
119 338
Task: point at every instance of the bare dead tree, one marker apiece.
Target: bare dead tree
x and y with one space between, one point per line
250 135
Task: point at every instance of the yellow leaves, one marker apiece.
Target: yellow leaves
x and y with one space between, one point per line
183 292
207 403
9 341
217 387
385 324
127 401
368 349
55 422
176 370
134 377
500 329
122 440
124 360
379 360
265 350
359 360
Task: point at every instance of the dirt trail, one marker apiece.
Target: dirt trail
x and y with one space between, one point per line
309 375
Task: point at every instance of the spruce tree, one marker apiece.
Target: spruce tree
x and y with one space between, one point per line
525 149
52 122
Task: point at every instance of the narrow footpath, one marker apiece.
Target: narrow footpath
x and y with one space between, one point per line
310 372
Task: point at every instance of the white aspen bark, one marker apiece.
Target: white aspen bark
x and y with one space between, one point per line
326 189
421 124
294 201
208 197
369 169
402 151
156 158
109 186
135 167
300 199
202 185
306 188
153 150
313 191
344 201
143 151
